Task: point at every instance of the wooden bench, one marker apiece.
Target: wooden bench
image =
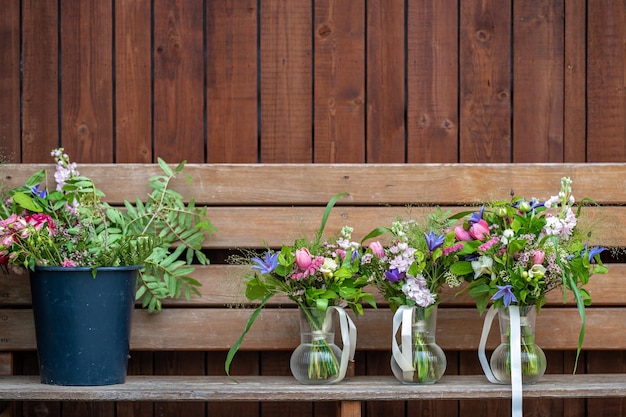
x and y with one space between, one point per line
177 363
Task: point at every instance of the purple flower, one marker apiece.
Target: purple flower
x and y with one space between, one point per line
432 241
394 275
39 193
268 265
506 293
597 250
476 216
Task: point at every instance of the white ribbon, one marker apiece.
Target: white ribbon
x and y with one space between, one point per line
348 338
516 356
403 356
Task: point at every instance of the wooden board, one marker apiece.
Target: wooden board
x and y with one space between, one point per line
204 388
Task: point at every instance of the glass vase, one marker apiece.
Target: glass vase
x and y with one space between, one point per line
417 359
317 359
533 360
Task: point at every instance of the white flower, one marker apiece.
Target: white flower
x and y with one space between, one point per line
483 266
328 268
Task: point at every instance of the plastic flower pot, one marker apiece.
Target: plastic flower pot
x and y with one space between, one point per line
83 323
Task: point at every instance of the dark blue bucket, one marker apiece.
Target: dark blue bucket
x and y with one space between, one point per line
83 323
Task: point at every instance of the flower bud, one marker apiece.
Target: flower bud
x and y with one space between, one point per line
303 258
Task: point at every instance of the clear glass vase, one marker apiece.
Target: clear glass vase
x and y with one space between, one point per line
317 359
417 359
533 360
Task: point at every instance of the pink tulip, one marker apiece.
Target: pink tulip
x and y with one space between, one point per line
303 258
480 230
462 235
538 257
377 249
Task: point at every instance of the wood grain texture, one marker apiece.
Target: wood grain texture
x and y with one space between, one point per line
206 388
179 80
432 81
538 59
133 89
231 73
575 85
278 329
87 81
485 81
286 82
339 80
386 141
368 184
40 87
10 82
606 72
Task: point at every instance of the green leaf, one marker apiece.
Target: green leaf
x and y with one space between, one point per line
26 202
165 167
233 350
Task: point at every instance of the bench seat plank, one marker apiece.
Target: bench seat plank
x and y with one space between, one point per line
362 388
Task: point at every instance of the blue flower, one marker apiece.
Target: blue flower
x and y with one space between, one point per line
39 193
592 252
394 275
268 265
476 216
432 241
506 293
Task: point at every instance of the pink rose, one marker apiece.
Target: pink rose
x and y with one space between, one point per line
303 258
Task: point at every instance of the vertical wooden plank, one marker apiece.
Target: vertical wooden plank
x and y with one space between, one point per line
538 60
575 109
438 408
606 362
40 84
179 363
133 73
286 81
348 409
606 75
275 364
245 363
232 128
485 81
432 81
386 140
10 81
139 363
87 80
339 114
379 363
179 80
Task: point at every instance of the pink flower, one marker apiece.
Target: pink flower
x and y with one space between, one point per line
488 244
452 249
461 234
39 220
68 263
479 230
303 258
377 249
538 257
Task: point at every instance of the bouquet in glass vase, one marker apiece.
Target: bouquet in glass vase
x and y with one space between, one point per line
410 273
514 253
322 276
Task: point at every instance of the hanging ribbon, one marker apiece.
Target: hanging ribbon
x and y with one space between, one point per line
516 356
403 355
348 338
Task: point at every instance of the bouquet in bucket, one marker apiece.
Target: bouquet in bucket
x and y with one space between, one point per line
516 252
71 226
410 274
321 276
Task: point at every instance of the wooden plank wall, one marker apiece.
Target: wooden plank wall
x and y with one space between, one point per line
377 81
